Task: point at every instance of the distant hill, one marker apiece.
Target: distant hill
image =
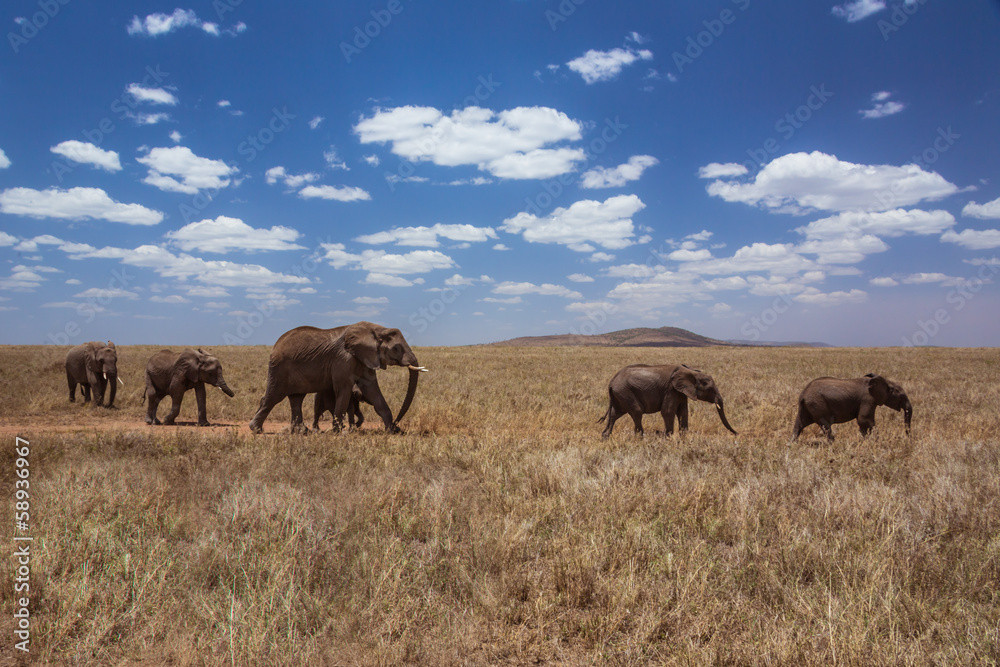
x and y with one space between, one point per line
640 337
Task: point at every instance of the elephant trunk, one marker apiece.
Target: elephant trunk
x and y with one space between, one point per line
722 416
411 389
113 388
225 388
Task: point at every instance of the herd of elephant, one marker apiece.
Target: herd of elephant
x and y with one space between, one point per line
339 364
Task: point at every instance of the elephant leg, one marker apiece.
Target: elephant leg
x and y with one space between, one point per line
153 401
319 407
613 415
72 387
199 397
637 421
85 390
295 401
358 417
99 389
668 420
827 426
175 408
682 415
370 390
270 399
866 421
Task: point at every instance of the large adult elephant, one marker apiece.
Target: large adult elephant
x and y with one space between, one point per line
307 360
93 365
827 400
640 389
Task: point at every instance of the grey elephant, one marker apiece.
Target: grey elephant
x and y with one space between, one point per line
309 360
640 389
326 400
93 365
827 400
172 374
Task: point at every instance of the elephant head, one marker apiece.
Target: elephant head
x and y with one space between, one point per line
699 386
206 368
888 393
378 347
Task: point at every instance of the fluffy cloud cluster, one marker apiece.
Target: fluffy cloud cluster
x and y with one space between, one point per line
858 10
87 153
607 224
428 236
158 24
385 268
224 234
75 204
192 173
596 66
514 144
800 182
615 177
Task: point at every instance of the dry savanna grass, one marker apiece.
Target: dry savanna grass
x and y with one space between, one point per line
500 529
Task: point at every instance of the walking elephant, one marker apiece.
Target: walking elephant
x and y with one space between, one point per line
640 389
308 359
326 400
93 365
172 374
826 401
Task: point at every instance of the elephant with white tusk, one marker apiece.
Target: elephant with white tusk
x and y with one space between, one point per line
173 374
309 360
826 401
89 365
640 389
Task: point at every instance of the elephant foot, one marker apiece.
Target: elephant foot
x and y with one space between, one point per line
301 429
204 423
256 429
168 422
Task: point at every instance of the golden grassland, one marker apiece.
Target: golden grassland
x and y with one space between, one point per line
500 529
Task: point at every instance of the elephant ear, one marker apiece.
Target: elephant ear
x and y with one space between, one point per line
683 381
90 356
878 387
191 364
360 341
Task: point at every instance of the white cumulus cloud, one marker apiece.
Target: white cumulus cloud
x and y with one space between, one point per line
428 236
607 224
75 204
87 153
985 211
192 173
224 234
334 192
615 177
596 66
858 10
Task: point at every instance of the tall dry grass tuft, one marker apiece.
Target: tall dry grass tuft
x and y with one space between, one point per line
500 529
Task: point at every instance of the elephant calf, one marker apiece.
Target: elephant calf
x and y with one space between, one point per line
826 401
93 366
172 374
325 401
641 389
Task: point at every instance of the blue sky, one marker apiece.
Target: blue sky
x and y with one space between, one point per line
220 172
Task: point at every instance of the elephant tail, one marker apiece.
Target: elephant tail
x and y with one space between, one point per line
608 411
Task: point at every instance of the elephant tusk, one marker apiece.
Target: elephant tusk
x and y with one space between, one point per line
105 376
120 380
418 368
